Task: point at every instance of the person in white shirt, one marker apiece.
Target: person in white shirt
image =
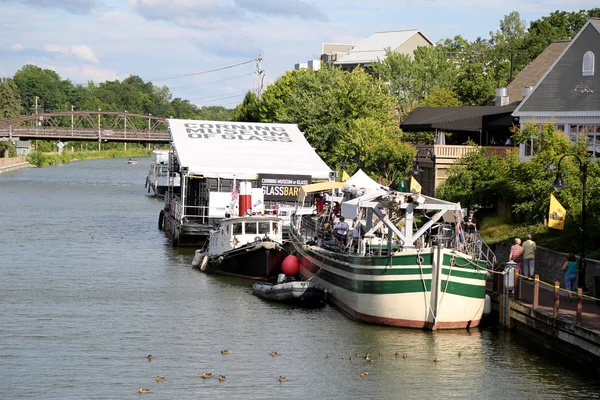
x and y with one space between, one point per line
356 232
341 229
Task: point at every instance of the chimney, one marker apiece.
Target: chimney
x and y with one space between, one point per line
501 97
527 91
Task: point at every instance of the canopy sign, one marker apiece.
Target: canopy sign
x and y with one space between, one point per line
282 187
243 150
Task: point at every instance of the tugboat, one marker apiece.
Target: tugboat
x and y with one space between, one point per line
247 247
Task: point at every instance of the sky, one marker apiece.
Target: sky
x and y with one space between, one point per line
178 43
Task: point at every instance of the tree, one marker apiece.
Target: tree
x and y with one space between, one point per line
523 187
441 97
559 25
44 84
248 109
507 45
411 78
10 100
341 113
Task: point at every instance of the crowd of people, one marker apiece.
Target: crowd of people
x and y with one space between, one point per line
337 231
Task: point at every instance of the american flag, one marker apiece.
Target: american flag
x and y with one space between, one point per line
234 193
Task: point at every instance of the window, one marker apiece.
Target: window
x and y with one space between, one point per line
237 228
250 228
588 64
264 228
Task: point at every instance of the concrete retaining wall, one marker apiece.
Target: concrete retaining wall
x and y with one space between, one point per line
13 164
548 265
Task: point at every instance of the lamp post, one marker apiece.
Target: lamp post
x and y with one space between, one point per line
558 185
417 168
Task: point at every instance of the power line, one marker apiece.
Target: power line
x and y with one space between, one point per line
217 97
203 72
183 87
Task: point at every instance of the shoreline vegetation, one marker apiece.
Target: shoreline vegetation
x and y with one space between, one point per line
44 159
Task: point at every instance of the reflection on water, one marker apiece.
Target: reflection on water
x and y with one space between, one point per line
90 287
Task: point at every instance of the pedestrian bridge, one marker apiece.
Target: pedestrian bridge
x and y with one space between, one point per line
101 126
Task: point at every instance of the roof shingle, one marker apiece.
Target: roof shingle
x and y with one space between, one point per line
533 72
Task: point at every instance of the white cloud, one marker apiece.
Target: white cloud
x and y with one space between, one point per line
17 47
84 53
81 51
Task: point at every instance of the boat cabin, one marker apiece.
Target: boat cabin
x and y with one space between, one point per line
239 231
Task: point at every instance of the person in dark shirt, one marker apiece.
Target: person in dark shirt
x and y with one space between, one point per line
470 223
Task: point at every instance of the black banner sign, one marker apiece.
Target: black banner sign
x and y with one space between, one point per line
282 187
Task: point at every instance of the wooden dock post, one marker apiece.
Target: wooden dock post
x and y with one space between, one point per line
556 298
579 306
517 288
536 291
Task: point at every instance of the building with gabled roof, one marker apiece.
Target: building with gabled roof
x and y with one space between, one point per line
568 94
373 49
531 74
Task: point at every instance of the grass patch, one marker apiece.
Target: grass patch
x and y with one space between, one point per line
40 159
494 230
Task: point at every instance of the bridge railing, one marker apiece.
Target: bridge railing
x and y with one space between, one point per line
83 133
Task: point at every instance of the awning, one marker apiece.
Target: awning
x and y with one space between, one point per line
242 150
318 187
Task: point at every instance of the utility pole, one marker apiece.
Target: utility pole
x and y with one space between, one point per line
72 107
36 113
261 75
99 132
125 134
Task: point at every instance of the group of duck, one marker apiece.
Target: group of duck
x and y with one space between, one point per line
205 375
208 375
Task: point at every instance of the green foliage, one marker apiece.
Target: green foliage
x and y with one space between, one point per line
559 25
8 147
132 95
44 84
326 105
10 100
418 138
411 78
523 188
441 97
41 159
248 110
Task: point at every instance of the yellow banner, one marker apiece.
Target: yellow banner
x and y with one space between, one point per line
414 185
557 214
345 176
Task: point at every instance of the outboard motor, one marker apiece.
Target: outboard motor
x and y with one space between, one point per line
281 278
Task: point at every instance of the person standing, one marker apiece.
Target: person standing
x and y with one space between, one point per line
341 229
516 253
356 232
570 268
528 256
470 225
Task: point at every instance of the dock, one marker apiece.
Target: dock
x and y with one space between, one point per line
541 311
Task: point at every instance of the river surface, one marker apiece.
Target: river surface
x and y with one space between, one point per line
89 287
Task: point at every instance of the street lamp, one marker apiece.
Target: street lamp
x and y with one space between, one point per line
558 185
417 168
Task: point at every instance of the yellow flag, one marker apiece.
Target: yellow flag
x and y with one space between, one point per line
414 185
557 214
345 176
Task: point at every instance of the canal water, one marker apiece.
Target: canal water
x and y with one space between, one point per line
89 287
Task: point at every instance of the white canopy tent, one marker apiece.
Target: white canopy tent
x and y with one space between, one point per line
242 150
361 180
